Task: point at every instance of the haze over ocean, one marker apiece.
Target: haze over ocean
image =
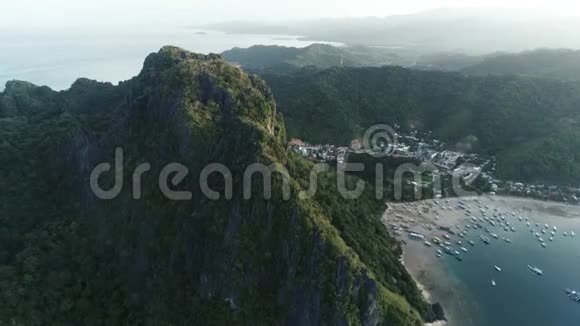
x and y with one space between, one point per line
56 58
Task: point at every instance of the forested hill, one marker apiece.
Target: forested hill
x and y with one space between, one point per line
531 124
559 64
544 63
288 59
68 257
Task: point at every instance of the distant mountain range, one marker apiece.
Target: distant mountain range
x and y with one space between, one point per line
562 64
559 64
278 58
471 31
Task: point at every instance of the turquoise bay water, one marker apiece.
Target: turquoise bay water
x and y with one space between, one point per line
57 57
521 297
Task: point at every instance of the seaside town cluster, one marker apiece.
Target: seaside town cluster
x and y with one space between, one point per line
449 160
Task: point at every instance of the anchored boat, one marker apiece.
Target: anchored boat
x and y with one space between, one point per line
536 270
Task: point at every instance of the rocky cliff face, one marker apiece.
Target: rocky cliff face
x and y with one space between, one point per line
69 257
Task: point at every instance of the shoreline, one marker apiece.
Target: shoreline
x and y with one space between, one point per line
427 295
432 275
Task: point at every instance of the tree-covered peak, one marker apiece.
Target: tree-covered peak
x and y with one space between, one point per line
160 261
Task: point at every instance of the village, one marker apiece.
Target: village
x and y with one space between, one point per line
448 160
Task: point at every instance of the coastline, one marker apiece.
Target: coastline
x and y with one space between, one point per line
433 276
426 294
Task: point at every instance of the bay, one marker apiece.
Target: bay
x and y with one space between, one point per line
464 288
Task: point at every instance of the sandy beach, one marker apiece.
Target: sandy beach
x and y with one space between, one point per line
441 218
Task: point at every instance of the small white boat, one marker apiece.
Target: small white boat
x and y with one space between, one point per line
493 283
535 270
497 268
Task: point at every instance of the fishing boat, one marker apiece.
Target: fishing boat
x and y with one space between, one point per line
536 270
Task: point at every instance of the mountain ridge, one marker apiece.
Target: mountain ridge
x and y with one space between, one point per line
165 262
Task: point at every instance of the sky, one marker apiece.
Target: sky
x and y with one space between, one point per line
47 13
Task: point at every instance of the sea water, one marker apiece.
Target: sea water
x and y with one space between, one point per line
57 57
520 296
